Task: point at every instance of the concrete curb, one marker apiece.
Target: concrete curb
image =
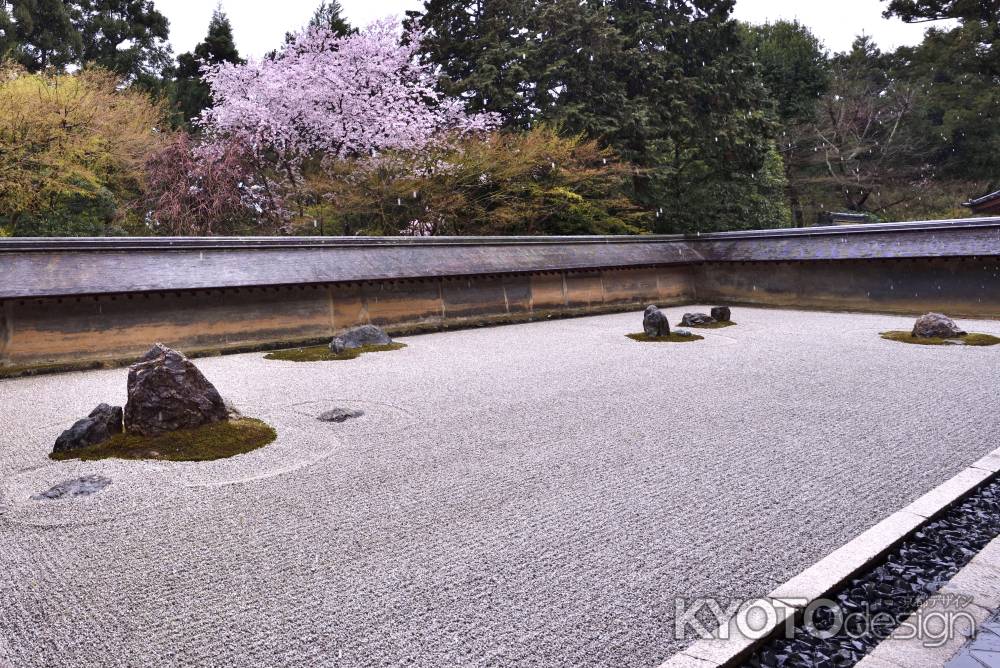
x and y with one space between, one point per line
731 647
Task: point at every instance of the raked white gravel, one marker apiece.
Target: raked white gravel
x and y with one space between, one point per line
530 495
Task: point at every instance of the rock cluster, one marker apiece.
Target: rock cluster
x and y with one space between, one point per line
103 422
166 392
356 337
695 319
655 323
936 326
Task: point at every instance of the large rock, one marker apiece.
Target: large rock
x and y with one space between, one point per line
103 422
356 337
166 392
936 326
695 319
655 323
722 313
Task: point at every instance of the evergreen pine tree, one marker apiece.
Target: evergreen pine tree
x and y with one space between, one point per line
484 49
43 34
330 15
7 41
692 114
127 37
191 94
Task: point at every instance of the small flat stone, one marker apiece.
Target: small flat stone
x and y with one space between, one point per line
82 486
339 415
682 332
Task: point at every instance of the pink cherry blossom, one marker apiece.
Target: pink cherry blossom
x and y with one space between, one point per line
335 97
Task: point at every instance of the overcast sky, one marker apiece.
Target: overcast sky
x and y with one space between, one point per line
260 25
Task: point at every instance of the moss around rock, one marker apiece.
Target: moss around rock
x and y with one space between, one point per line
963 340
671 338
712 325
213 441
324 354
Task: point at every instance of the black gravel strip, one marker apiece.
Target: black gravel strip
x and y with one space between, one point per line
898 585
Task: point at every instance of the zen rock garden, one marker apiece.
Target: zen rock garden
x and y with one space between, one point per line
656 325
173 412
935 329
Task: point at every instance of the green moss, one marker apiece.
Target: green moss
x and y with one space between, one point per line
324 354
967 339
212 441
671 338
980 340
718 324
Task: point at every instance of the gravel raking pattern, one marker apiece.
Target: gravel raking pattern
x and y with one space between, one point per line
527 495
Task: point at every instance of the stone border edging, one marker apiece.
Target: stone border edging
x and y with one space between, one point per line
835 569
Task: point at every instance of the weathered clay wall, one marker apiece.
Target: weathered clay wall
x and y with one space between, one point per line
70 303
73 332
958 286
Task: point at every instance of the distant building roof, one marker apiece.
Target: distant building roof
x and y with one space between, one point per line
986 204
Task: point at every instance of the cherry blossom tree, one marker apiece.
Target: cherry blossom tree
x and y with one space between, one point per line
208 189
335 97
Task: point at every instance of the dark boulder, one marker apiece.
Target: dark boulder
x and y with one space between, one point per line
166 392
695 319
722 313
655 323
103 422
936 326
356 337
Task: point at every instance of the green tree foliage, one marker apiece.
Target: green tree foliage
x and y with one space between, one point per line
330 15
956 72
43 34
695 112
72 149
793 65
7 32
796 71
191 95
535 182
986 12
127 37
483 48
664 83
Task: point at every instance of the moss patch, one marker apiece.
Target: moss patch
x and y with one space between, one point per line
324 354
718 324
968 339
672 338
212 441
